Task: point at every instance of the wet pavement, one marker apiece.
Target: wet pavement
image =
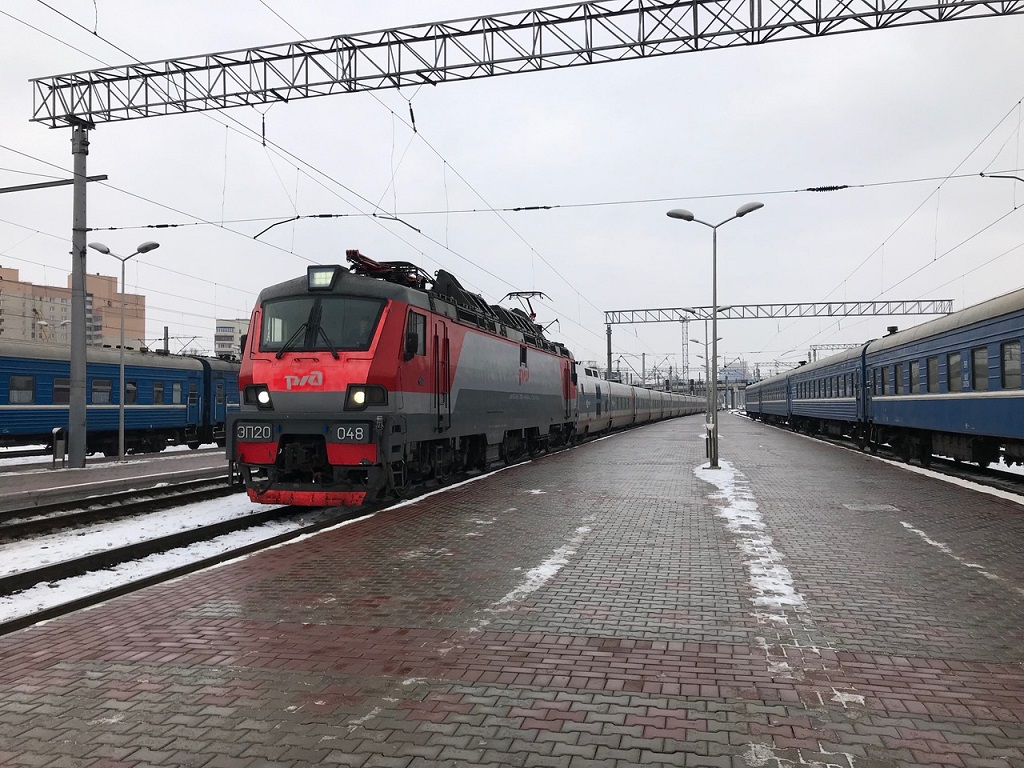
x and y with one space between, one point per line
612 605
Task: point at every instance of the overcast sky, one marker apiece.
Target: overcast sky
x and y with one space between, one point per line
614 146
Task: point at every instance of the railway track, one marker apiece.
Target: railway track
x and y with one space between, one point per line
56 515
130 553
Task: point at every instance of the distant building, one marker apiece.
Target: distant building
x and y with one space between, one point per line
31 312
228 337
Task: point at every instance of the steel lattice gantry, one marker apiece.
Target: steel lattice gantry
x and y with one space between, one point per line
810 309
569 35
685 315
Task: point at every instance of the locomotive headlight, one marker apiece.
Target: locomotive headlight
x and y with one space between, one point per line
362 395
258 395
321 278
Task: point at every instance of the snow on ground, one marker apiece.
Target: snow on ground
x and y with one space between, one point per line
14 556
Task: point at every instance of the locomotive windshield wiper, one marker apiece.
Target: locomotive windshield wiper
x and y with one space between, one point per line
291 340
330 344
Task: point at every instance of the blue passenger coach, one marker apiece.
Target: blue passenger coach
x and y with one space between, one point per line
948 387
169 399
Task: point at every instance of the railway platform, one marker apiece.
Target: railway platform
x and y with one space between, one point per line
611 605
47 482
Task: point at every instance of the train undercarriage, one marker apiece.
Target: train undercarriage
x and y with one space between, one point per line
303 471
909 444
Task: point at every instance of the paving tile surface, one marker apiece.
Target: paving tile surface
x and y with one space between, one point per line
612 605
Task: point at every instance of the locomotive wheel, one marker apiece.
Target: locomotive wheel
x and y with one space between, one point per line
194 445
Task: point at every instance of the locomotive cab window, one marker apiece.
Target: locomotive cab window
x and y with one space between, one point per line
1010 360
22 389
416 335
319 323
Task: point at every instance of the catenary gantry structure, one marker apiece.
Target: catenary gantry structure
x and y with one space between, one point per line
685 315
570 35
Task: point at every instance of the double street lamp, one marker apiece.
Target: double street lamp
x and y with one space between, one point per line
144 248
680 213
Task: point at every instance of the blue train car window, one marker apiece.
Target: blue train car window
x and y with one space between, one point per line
1011 365
897 379
933 374
979 369
915 376
954 371
193 393
61 391
101 389
176 393
158 393
131 392
220 393
22 389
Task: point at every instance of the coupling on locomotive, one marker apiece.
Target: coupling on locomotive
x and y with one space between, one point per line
364 380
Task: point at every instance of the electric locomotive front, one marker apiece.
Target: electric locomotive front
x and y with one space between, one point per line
364 381
315 391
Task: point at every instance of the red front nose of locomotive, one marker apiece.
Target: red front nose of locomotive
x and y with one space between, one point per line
316 395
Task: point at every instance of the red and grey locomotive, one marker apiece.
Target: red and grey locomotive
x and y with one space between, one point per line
365 380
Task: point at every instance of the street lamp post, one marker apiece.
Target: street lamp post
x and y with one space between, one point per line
680 213
144 248
707 369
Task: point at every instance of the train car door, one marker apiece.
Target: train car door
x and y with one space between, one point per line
597 397
442 376
193 402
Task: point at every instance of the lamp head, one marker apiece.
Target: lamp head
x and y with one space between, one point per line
743 210
147 246
680 213
99 247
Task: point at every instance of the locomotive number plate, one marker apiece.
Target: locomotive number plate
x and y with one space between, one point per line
351 433
254 433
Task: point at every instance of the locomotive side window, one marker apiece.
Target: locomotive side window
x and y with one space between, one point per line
101 389
1011 365
933 374
954 371
417 327
522 356
979 369
22 389
61 391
